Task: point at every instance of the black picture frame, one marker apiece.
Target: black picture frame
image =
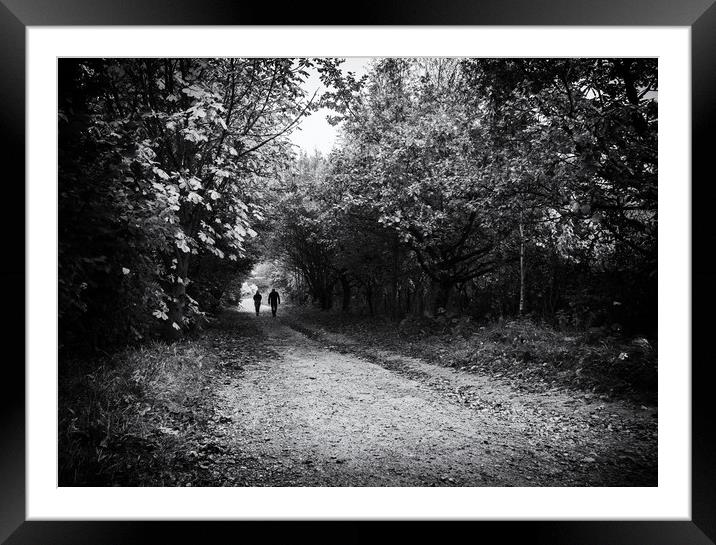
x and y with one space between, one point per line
16 15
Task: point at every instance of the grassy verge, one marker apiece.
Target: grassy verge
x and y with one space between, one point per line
144 416
531 356
118 418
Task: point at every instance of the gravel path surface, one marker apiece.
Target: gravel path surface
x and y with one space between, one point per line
319 409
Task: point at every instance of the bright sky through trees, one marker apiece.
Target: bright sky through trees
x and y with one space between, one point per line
315 131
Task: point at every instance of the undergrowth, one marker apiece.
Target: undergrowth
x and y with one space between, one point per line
148 416
532 356
118 416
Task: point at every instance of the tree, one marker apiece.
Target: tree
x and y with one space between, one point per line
419 174
170 158
579 138
301 229
488 186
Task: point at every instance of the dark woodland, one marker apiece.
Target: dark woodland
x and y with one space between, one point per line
482 238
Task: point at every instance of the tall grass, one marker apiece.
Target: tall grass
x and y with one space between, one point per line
111 411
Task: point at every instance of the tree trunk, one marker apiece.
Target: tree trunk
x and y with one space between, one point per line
326 297
346 288
394 302
441 291
369 298
420 301
522 269
178 300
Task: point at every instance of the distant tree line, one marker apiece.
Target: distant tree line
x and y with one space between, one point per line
483 187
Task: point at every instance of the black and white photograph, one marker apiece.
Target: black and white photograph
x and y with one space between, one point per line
357 272
304 272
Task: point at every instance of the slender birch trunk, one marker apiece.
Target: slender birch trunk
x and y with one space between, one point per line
522 267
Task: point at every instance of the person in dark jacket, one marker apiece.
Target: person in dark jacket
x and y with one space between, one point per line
257 301
274 300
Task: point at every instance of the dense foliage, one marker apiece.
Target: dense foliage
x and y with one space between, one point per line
496 216
488 187
482 187
162 169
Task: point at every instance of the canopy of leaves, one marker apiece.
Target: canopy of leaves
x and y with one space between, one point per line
163 169
451 169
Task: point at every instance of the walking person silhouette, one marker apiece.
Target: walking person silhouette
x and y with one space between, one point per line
274 300
257 301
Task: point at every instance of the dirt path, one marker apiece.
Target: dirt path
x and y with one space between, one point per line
314 409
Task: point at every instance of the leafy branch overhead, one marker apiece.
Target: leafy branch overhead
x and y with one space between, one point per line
181 149
486 187
450 172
